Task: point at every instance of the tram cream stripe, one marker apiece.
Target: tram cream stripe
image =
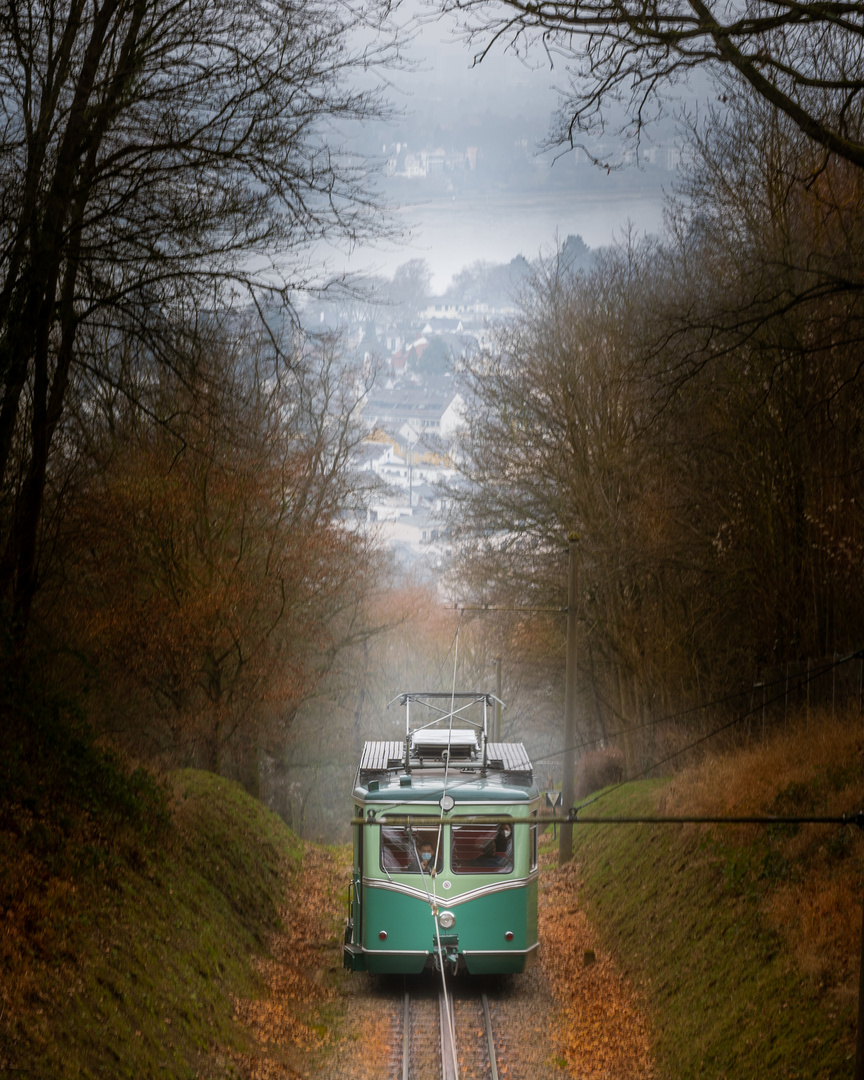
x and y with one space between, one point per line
477 806
449 901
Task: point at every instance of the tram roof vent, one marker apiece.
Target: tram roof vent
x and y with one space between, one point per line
510 758
461 743
380 757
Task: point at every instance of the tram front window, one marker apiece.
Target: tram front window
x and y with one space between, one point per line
405 851
482 849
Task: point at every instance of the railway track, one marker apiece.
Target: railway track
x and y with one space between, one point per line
447 1038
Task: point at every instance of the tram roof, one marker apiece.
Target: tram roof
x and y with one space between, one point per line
428 786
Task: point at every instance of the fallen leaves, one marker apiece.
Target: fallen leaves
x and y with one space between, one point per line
376 1048
285 1023
600 1033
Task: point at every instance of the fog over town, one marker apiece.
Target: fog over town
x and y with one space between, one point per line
464 169
477 204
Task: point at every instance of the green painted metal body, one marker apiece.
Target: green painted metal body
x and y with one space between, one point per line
403 907
479 930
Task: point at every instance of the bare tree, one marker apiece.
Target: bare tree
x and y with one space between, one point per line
207 562
408 291
765 226
157 156
765 312
558 440
694 410
805 58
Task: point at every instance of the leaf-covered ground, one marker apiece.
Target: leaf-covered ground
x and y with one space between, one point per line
292 1023
574 1015
120 948
666 951
744 940
602 1031
209 944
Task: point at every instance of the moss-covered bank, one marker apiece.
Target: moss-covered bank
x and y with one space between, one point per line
126 937
743 942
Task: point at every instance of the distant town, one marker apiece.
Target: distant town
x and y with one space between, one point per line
430 162
413 345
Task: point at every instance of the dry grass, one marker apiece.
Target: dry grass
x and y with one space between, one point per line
811 876
26 931
598 769
750 780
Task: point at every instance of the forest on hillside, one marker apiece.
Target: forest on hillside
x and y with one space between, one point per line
692 408
181 565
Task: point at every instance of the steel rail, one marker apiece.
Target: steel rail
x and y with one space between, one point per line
446 1044
490 1042
449 1065
406 1034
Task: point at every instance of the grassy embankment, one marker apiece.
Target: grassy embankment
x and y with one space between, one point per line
133 917
131 913
743 942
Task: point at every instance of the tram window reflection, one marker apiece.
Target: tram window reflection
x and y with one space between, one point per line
404 850
484 849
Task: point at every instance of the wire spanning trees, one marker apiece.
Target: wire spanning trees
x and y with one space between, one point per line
804 58
156 157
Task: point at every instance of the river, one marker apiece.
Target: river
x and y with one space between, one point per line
451 232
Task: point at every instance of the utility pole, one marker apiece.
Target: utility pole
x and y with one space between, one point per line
859 1049
498 702
568 781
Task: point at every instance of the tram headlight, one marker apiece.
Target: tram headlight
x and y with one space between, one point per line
446 920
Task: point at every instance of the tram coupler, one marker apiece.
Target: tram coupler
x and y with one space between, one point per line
449 951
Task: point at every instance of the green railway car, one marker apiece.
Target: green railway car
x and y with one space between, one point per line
443 875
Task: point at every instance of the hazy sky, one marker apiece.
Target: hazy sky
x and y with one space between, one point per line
447 72
513 204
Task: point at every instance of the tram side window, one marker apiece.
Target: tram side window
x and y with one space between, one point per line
404 850
482 849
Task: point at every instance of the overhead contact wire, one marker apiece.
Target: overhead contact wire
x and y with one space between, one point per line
802 681
446 997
